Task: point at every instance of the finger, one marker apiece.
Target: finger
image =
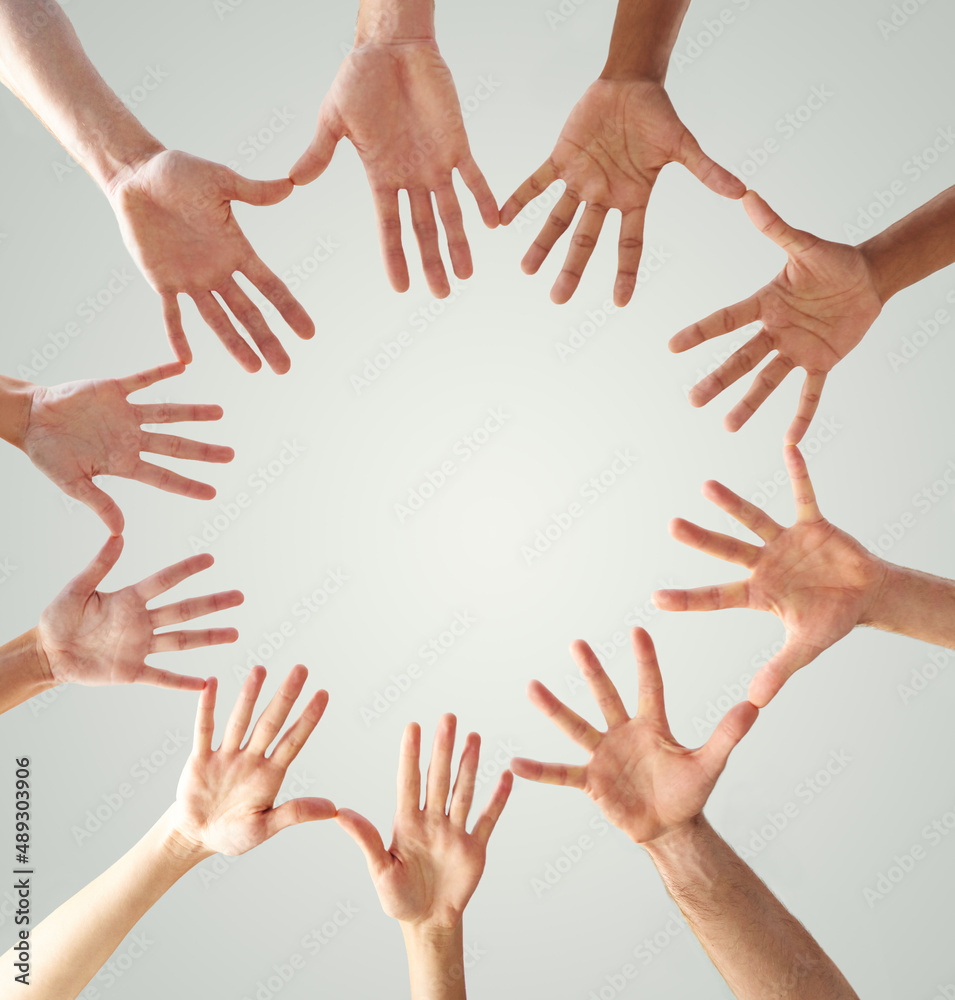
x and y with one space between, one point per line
731 729
91 577
651 703
316 158
241 714
195 607
629 252
205 717
549 774
561 216
217 321
484 827
716 324
239 188
177 642
714 543
774 674
102 504
177 447
166 679
174 413
808 404
389 237
170 482
296 736
581 249
736 366
715 177
277 292
172 320
277 711
248 314
409 769
748 514
167 578
462 794
566 720
297 811
478 186
600 685
807 510
793 241
453 221
532 188
426 233
142 380
366 836
764 383
439 770
717 598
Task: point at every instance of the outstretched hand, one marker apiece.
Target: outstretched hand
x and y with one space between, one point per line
641 779
79 430
612 147
813 313
397 104
175 214
430 871
818 580
88 637
225 800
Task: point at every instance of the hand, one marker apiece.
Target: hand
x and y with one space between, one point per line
80 430
818 580
641 779
617 139
433 866
87 637
398 106
224 802
175 214
813 313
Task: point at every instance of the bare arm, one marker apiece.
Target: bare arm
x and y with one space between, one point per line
915 604
24 672
644 33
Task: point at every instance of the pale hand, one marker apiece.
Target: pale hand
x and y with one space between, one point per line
818 580
398 106
430 871
813 313
641 779
88 637
612 147
175 214
79 430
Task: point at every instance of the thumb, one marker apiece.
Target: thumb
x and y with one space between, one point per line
297 811
239 188
93 575
768 222
722 742
365 835
774 674
103 505
718 179
317 157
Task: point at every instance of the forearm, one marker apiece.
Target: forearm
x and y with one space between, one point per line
757 946
915 604
914 247
435 963
24 671
15 398
394 21
74 941
644 33
48 70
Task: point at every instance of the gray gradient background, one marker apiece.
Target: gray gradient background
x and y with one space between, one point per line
221 931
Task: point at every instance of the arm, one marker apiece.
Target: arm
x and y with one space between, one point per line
654 790
618 137
429 873
78 430
224 803
394 99
818 580
89 637
174 210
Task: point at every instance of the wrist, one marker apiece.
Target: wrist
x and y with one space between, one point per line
878 254
180 849
431 937
887 579
395 22
675 840
16 402
115 166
